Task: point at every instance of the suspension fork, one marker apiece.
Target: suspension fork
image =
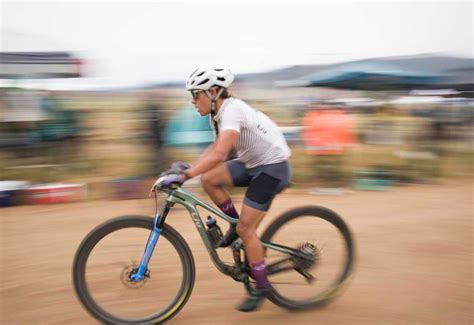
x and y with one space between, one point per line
151 243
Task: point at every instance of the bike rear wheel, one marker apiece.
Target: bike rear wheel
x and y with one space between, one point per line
107 256
326 244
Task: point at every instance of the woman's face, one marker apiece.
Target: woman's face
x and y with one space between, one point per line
202 102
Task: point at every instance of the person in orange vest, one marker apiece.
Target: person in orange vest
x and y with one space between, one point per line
327 134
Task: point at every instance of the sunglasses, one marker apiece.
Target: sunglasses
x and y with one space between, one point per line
195 93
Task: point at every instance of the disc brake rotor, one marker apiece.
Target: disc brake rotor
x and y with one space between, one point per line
126 274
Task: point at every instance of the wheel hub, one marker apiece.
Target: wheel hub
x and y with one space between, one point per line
311 254
126 277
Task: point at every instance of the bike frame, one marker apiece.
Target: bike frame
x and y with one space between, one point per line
191 202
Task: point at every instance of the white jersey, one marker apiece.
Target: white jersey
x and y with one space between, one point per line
261 141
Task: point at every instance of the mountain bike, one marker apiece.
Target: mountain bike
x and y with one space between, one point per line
140 270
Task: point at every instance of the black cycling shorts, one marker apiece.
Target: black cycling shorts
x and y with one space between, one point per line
263 182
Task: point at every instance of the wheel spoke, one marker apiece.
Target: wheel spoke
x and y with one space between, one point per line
275 267
290 283
308 276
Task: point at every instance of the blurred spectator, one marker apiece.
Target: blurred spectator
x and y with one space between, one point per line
19 114
327 133
60 131
384 127
154 125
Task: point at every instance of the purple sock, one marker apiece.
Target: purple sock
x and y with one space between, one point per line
259 273
228 208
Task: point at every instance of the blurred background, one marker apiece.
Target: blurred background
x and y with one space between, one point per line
375 99
92 93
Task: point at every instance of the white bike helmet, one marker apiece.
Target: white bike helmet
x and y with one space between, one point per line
205 78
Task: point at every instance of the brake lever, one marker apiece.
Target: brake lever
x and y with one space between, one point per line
154 188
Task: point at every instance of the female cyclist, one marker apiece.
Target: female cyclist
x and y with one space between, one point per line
261 165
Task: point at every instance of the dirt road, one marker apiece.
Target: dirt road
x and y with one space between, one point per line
414 264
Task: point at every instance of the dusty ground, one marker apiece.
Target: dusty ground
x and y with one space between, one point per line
414 264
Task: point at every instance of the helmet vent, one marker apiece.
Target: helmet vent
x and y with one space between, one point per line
218 69
203 82
221 78
201 74
193 72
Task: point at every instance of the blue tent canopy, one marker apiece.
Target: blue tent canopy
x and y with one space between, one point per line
403 73
373 76
188 128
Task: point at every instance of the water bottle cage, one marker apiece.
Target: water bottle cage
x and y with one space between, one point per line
215 235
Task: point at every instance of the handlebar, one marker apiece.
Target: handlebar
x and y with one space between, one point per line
158 185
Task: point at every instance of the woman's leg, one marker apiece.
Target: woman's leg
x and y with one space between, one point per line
249 220
213 183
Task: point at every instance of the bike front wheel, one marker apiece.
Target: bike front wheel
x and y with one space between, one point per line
324 257
111 252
